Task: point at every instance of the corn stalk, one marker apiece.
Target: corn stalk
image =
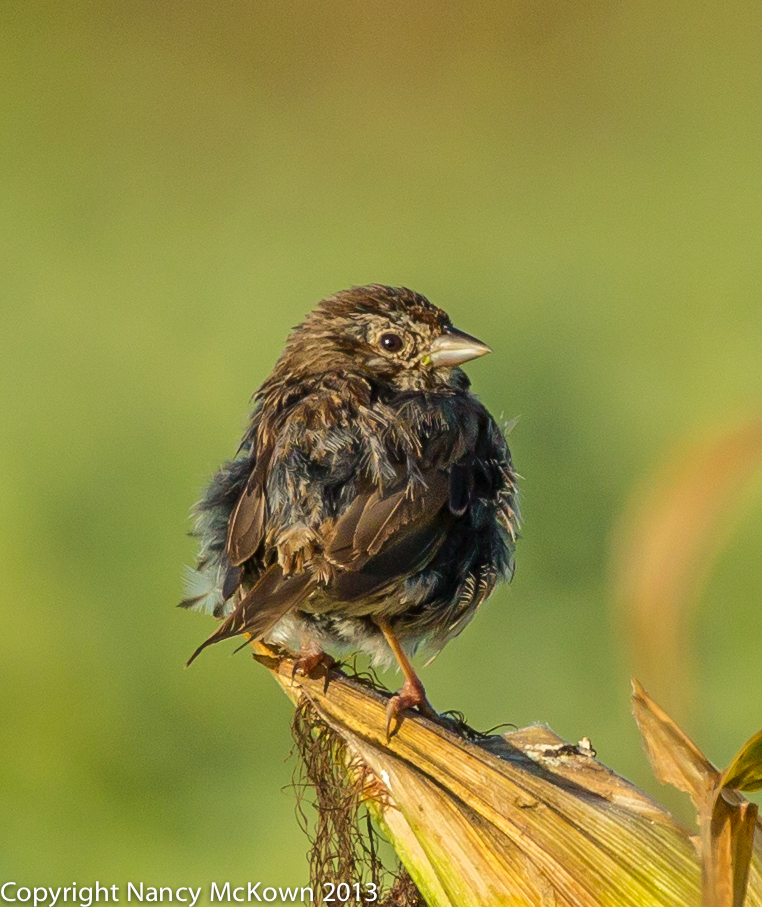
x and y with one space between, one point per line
526 818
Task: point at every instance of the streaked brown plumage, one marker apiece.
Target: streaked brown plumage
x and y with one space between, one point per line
372 503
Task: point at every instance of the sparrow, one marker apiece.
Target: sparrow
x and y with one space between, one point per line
372 504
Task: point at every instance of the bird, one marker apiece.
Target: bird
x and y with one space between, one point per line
372 504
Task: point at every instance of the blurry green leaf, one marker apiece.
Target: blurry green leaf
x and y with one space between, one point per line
745 771
674 527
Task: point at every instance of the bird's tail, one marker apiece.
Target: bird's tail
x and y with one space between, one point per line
273 596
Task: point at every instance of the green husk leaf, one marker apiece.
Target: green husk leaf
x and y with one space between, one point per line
745 771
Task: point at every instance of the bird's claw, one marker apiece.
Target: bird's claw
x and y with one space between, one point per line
412 695
307 664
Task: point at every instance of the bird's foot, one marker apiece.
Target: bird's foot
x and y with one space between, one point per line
412 695
308 664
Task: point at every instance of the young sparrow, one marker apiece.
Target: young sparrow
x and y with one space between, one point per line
372 504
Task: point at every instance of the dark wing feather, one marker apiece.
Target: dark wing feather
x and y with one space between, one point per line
406 556
273 596
461 487
340 548
232 581
380 519
247 522
386 532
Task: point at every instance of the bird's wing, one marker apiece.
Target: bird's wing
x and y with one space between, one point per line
376 519
246 528
300 447
385 536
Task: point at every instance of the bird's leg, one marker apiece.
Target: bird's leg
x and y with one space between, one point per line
412 692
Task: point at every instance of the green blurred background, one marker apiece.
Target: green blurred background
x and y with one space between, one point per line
578 183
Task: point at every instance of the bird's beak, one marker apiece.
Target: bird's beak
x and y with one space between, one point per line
454 347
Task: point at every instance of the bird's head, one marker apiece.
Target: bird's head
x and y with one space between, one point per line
390 334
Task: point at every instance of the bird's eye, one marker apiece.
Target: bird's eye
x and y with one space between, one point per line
392 343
